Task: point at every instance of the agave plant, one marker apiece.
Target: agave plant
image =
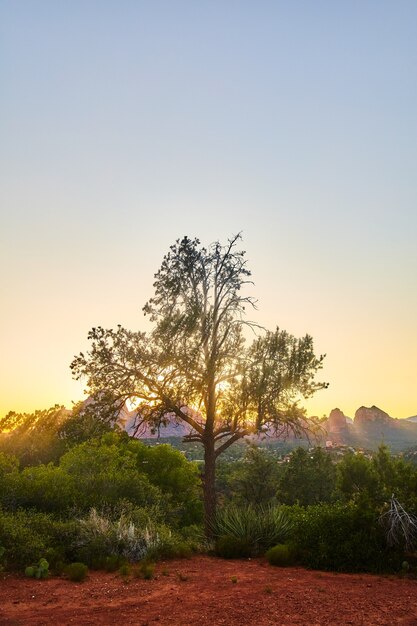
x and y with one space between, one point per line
260 527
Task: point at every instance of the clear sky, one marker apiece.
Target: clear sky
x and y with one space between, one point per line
126 124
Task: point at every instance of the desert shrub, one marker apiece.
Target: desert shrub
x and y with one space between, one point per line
258 527
281 555
9 475
39 571
177 478
22 544
117 469
102 538
28 536
343 537
229 547
76 572
194 537
125 570
45 488
145 570
105 473
170 546
114 562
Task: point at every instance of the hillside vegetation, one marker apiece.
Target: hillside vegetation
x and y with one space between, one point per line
111 499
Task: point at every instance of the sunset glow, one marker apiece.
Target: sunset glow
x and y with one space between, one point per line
297 128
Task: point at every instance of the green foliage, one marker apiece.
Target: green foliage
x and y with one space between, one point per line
108 472
113 563
106 542
9 477
33 437
230 547
125 570
84 424
30 571
76 572
196 343
252 480
281 555
177 479
357 479
27 536
308 478
342 537
396 476
47 488
105 472
145 570
373 481
259 528
115 468
38 571
171 548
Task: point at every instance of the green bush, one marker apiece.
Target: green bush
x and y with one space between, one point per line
343 537
100 536
125 570
229 547
281 555
114 562
114 468
256 527
39 571
145 570
76 572
27 536
170 546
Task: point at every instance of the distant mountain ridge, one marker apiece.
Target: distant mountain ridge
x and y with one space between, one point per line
370 427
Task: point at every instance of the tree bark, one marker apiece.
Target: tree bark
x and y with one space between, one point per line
209 486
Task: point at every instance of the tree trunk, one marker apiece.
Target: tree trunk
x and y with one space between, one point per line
209 487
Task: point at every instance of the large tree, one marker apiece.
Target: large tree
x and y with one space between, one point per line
195 367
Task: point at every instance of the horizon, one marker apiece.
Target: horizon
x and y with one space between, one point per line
125 128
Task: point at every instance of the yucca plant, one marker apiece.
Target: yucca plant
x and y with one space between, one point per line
258 527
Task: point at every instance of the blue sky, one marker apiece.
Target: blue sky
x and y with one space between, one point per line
125 125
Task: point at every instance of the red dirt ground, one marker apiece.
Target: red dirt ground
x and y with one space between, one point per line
200 591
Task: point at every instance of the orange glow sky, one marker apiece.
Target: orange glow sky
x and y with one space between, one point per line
127 126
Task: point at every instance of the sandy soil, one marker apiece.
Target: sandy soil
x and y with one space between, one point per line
200 591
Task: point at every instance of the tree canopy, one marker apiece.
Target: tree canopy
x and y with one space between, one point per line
195 366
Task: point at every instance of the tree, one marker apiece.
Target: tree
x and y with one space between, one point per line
254 480
357 479
33 437
194 366
308 478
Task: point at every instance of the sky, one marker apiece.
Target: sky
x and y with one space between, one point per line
126 125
